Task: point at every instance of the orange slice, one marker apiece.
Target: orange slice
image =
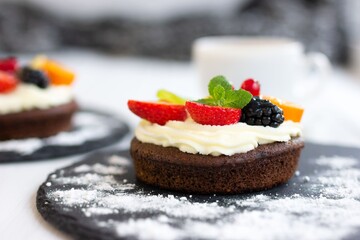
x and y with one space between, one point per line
291 110
58 74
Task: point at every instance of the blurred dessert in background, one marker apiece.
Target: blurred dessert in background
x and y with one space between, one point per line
36 100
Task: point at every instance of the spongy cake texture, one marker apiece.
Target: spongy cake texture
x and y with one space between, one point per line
264 167
37 123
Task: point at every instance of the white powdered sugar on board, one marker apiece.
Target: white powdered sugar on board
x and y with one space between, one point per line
153 228
337 162
25 146
100 168
342 180
331 211
87 126
118 160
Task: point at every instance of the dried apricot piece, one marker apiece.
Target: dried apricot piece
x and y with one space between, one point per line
291 110
57 73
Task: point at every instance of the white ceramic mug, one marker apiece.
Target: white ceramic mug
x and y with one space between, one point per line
279 64
355 59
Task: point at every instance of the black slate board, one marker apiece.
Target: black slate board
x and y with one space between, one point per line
114 129
72 220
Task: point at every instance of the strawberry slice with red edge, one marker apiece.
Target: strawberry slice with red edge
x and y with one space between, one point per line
8 64
7 82
158 112
212 115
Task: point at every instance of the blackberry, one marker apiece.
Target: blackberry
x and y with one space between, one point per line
32 76
262 112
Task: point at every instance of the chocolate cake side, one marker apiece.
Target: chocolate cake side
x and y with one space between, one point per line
37 123
264 167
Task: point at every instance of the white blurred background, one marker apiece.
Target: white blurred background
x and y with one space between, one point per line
166 29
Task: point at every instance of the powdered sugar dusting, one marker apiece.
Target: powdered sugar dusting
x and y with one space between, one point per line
87 126
74 196
326 206
154 226
100 168
26 146
118 160
337 162
99 211
342 179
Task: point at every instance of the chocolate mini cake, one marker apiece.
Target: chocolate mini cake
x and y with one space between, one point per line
37 123
230 142
36 100
264 167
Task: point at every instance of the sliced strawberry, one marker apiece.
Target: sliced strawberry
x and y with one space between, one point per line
157 112
8 64
212 115
7 82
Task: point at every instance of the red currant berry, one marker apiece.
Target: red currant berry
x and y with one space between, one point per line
8 64
7 82
251 86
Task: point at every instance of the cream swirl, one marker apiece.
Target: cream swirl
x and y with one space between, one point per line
191 137
28 97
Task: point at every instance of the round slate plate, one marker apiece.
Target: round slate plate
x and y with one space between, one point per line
99 198
92 130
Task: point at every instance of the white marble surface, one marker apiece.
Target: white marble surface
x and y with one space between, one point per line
107 82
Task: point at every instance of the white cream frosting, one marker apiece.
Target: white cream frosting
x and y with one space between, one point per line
191 137
29 96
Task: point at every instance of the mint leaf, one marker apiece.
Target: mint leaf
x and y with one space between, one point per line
218 81
219 92
237 98
231 98
223 95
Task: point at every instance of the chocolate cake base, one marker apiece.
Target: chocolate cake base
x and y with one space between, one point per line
262 168
37 123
